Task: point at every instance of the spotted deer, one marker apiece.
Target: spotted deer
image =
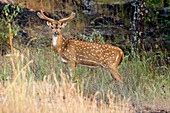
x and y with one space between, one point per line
77 52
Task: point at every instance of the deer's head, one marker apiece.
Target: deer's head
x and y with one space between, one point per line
55 26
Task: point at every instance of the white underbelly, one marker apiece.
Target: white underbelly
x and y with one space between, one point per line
88 66
63 60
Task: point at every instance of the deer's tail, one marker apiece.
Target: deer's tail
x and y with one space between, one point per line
122 57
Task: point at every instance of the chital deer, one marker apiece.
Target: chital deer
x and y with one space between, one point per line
76 52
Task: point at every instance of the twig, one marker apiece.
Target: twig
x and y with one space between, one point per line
26 65
28 44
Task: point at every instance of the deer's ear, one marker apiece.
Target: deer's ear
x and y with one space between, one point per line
49 24
64 24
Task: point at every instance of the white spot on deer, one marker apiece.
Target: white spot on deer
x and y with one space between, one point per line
117 57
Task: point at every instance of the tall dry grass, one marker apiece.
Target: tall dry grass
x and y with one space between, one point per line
41 84
24 93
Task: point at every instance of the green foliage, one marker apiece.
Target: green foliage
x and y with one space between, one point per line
10 12
98 37
152 16
3 29
95 37
154 3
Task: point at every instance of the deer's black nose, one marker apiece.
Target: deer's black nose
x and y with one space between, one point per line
56 33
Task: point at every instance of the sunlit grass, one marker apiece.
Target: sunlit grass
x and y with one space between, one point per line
41 84
49 89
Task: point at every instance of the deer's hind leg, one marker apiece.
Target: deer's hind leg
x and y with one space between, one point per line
114 73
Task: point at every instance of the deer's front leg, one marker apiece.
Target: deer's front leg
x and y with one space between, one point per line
71 68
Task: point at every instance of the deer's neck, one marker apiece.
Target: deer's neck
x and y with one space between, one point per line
57 42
